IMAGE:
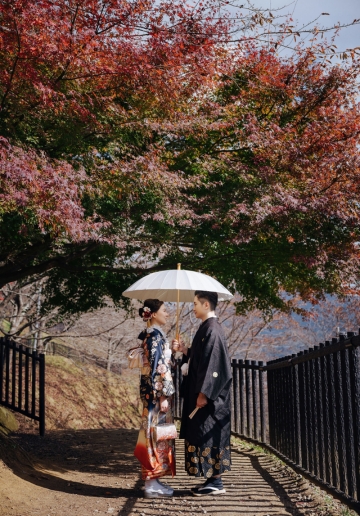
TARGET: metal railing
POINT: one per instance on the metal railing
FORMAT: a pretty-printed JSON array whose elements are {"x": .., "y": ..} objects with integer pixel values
[
  {"x": 22, "y": 381},
  {"x": 249, "y": 400},
  {"x": 314, "y": 413}
]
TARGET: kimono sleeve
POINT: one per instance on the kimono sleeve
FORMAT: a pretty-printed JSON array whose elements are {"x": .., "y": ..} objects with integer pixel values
[
  {"x": 162, "y": 383},
  {"x": 214, "y": 370}
]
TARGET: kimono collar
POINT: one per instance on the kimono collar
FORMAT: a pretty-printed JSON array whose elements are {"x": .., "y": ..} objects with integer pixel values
[
  {"x": 207, "y": 320},
  {"x": 155, "y": 327}
]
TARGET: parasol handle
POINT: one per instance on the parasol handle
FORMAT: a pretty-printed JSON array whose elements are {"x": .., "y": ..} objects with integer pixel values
[{"x": 193, "y": 412}]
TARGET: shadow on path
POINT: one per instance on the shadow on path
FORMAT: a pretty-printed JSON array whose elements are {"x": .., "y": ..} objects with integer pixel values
[
  {"x": 95, "y": 453},
  {"x": 97, "y": 468}
]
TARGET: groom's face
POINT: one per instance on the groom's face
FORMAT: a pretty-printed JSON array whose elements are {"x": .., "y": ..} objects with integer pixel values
[{"x": 200, "y": 309}]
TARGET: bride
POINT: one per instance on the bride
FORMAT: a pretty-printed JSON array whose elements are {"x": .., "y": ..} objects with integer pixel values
[{"x": 156, "y": 389}]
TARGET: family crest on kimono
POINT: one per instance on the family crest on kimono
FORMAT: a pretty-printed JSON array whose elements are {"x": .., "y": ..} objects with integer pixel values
[{"x": 157, "y": 458}]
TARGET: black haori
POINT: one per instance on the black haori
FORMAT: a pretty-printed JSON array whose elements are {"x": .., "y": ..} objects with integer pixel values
[{"x": 207, "y": 434}]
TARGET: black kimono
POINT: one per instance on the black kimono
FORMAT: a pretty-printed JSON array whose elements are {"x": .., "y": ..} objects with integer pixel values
[{"x": 207, "y": 434}]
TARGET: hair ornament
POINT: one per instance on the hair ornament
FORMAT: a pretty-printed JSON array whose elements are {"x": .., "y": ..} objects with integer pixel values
[{"x": 146, "y": 314}]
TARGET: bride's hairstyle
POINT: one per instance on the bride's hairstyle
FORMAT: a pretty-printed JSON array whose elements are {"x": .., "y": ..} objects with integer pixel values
[{"x": 151, "y": 306}]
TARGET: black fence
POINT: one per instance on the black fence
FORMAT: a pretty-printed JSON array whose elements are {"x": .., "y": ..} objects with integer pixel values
[
  {"x": 249, "y": 400},
  {"x": 22, "y": 381},
  {"x": 314, "y": 413},
  {"x": 305, "y": 408}
]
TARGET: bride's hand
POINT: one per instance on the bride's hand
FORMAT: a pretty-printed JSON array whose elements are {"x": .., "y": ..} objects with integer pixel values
[{"x": 164, "y": 404}]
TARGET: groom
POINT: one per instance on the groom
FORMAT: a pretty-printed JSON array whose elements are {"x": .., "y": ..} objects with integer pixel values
[{"x": 207, "y": 386}]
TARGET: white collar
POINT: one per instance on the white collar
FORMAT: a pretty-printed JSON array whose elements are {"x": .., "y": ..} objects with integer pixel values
[{"x": 155, "y": 327}]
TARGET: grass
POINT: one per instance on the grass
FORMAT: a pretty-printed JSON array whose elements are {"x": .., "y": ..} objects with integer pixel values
[
  {"x": 236, "y": 441},
  {"x": 84, "y": 396}
]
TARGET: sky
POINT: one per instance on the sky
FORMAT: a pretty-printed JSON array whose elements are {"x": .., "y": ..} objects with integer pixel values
[{"x": 304, "y": 11}]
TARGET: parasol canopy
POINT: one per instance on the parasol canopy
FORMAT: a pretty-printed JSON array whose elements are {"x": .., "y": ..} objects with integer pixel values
[{"x": 175, "y": 285}]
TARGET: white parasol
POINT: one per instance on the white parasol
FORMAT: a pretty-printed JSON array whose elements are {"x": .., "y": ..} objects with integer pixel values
[{"x": 175, "y": 285}]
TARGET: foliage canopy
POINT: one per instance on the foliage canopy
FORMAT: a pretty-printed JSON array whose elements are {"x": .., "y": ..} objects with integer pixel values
[{"x": 133, "y": 137}]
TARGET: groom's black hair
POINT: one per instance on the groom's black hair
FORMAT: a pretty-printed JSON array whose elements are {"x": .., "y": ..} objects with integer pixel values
[{"x": 211, "y": 297}]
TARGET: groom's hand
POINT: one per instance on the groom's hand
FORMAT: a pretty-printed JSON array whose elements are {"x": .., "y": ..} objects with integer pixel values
[
  {"x": 175, "y": 345},
  {"x": 178, "y": 345},
  {"x": 201, "y": 400}
]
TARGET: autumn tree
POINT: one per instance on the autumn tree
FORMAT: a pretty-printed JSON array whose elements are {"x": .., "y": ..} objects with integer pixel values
[
  {"x": 138, "y": 134},
  {"x": 80, "y": 82},
  {"x": 275, "y": 154}
]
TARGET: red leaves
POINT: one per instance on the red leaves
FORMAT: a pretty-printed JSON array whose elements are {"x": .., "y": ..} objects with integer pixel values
[
  {"x": 119, "y": 44},
  {"x": 47, "y": 193},
  {"x": 77, "y": 72}
]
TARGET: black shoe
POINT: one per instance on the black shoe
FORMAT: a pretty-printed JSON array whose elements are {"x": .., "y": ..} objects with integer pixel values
[{"x": 212, "y": 486}]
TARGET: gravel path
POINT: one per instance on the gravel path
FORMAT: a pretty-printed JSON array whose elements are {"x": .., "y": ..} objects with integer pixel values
[{"x": 93, "y": 472}]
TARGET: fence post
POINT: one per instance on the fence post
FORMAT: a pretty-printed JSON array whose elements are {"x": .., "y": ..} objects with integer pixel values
[
  {"x": 270, "y": 389},
  {"x": 314, "y": 411},
  {"x": 236, "y": 396},
  {"x": 349, "y": 426},
  {"x": 242, "y": 396},
  {"x": 7, "y": 371},
  {"x": 42, "y": 394},
  {"x": 303, "y": 414},
  {"x": 293, "y": 413},
  {"x": 248, "y": 398},
  {"x": 33, "y": 383},
  {"x": 262, "y": 403},
  {"x": 21, "y": 352},
  {"x": 333, "y": 420},
  {"x": 310, "y": 409},
  {"x": 320, "y": 415},
  {"x": 255, "y": 399},
  {"x": 2, "y": 362},
  {"x": 297, "y": 414},
  {"x": 355, "y": 382},
  {"x": 13, "y": 374},
  {"x": 27, "y": 375}
]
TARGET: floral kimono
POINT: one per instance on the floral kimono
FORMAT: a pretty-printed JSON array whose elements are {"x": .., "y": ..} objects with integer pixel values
[{"x": 157, "y": 458}]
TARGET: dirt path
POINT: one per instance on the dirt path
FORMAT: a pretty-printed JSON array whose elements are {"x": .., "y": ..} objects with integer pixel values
[{"x": 93, "y": 472}]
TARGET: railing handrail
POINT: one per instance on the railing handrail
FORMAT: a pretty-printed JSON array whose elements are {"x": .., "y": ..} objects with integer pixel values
[{"x": 352, "y": 341}]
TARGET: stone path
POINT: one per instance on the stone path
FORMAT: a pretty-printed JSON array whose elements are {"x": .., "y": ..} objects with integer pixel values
[
  {"x": 248, "y": 491},
  {"x": 93, "y": 472}
]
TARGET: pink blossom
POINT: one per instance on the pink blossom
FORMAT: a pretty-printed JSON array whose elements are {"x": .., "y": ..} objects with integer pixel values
[{"x": 161, "y": 368}]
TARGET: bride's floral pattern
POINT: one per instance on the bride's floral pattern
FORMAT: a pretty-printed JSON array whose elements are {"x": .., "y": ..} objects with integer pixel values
[
  {"x": 157, "y": 381},
  {"x": 157, "y": 458}
]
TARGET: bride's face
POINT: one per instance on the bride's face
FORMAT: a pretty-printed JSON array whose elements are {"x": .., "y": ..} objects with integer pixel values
[{"x": 160, "y": 317}]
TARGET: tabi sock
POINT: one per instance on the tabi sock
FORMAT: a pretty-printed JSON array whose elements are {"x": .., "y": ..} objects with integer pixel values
[
  {"x": 215, "y": 482},
  {"x": 152, "y": 483}
]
